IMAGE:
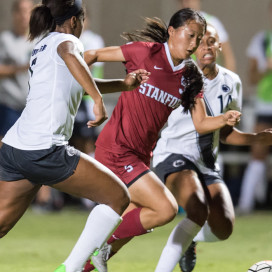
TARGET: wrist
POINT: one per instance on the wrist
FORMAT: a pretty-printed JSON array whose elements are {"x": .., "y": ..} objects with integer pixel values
[
  {"x": 97, "y": 98},
  {"x": 224, "y": 119}
]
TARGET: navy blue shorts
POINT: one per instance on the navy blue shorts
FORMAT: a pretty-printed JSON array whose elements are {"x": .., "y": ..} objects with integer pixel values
[
  {"x": 43, "y": 167},
  {"x": 176, "y": 163}
]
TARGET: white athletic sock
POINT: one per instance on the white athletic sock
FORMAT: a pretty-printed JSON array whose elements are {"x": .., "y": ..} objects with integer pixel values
[
  {"x": 254, "y": 176},
  {"x": 206, "y": 235},
  {"x": 100, "y": 224},
  {"x": 178, "y": 242}
]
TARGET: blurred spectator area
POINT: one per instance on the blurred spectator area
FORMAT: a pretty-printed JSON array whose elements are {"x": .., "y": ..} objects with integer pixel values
[{"x": 242, "y": 19}]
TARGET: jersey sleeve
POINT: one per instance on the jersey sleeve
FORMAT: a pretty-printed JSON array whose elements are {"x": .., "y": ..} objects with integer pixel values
[
  {"x": 135, "y": 53},
  {"x": 64, "y": 38}
]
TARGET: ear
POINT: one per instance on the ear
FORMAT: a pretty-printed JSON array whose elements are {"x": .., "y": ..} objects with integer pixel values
[
  {"x": 73, "y": 22},
  {"x": 170, "y": 31},
  {"x": 220, "y": 47}
]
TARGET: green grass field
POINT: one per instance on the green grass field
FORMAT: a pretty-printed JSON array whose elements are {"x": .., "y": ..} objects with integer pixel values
[{"x": 40, "y": 242}]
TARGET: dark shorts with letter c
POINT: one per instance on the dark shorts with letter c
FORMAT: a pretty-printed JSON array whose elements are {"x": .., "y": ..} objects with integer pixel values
[{"x": 44, "y": 167}]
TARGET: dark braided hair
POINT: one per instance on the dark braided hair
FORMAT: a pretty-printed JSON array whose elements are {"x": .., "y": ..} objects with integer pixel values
[
  {"x": 157, "y": 31},
  {"x": 193, "y": 83}
]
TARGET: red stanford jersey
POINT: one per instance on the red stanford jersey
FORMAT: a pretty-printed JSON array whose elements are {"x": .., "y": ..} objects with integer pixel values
[{"x": 140, "y": 114}]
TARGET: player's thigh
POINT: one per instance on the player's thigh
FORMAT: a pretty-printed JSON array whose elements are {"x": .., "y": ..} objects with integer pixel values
[
  {"x": 148, "y": 191},
  {"x": 186, "y": 187},
  {"x": 94, "y": 181},
  {"x": 15, "y": 198}
]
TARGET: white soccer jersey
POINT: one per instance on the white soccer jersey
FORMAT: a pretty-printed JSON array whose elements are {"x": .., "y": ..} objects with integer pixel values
[
  {"x": 53, "y": 98},
  {"x": 180, "y": 137}
]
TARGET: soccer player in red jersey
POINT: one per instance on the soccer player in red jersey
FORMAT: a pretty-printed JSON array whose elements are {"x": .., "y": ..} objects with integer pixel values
[{"x": 126, "y": 142}]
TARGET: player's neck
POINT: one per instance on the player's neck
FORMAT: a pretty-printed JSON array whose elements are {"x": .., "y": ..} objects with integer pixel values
[{"x": 210, "y": 72}]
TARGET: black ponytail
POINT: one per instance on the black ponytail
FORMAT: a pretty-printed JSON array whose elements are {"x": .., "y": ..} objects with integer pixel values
[{"x": 41, "y": 21}]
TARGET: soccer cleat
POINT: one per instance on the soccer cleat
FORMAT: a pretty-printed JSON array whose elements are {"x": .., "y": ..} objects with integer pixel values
[
  {"x": 61, "y": 268},
  {"x": 188, "y": 261},
  {"x": 100, "y": 257}
]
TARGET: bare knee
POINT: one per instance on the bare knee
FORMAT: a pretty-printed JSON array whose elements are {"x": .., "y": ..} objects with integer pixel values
[
  {"x": 222, "y": 228},
  {"x": 166, "y": 213}
]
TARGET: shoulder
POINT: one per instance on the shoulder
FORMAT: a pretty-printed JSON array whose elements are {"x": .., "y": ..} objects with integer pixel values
[
  {"x": 143, "y": 45},
  {"x": 140, "y": 50},
  {"x": 66, "y": 37},
  {"x": 62, "y": 37},
  {"x": 228, "y": 73}
]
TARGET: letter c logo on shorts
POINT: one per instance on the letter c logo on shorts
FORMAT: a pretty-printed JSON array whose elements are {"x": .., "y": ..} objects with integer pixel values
[
  {"x": 178, "y": 163},
  {"x": 129, "y": 168}
]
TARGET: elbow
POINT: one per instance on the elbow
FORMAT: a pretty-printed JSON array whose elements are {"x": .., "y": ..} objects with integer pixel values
[{"x": 90, "y": 57}]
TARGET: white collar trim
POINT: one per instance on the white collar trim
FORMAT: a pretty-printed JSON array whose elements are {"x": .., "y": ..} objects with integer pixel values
[{"x": 174, "y": 68}]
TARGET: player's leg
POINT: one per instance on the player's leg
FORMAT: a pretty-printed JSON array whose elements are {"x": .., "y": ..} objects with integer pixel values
[
  {"x": 15, "y": 197},
  {"x": 94, "y": 181},
  {"x": 108, "y": 250},
  {"x": 155, "y": 206},
  {"x": 188, "y": 191},
  {"x": 221, "y": 217},
  {"x": 219, "y": 225}
]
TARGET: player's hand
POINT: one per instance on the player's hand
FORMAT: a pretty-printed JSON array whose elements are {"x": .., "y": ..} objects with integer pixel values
[
  {"x": 232, "y": 117},
  {"x": 136, "y": 78},
  {"x": 99, "y": 112}
]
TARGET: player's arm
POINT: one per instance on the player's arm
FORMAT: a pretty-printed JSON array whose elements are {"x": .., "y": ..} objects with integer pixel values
[
  {"x": 80, "y": 71},
  {"x": 232, "y": 136},
  {"x": 206, "y": 124},
  {"x": 8, "y": 70},
  {"x": 130, "y": 82},
  {"x": 107, "y": 54}
]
